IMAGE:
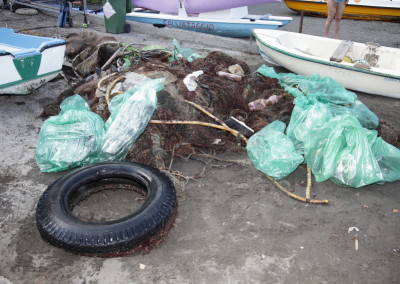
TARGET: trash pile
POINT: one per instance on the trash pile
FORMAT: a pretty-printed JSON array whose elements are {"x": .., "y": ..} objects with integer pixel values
[
  {"x": 330, "y": 130},
  {"x": 152, "y": 104},
  {"x": 223, "y": 90},
  {"x": 148, "y": 105}
]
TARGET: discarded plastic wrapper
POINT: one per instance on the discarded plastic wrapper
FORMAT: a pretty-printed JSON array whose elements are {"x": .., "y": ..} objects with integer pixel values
[
  {"x": 190, "y": 82},
  {"x": 272, "y": 152},
  {"x": 77, "y": 136},
  {"x": 186, "y": 53}
]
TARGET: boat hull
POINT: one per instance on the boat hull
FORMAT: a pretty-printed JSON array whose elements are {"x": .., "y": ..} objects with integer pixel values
[
  {"x": 196, "y": 6},
  {"x": 25, "y": 67},
  {"x": 360, "y": 10},
  {"x": 357, "y": 79},
  {"x": 227, "y": 28}
]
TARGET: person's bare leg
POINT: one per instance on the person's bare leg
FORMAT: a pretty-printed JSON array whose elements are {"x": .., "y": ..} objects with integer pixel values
[
  {"x": 338, "y": 17},
  {"x": 331, "y": 16}
]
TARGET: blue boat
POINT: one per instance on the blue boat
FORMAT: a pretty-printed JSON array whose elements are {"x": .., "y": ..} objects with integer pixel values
[
  {"x": 27, "y": 61},
  {"x": 235, "y": 22}
]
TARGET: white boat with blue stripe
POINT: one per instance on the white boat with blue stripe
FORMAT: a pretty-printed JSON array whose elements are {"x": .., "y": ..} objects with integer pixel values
[
  {"x": 27, "y": 61},
  {"x": 234, "y": 22}
]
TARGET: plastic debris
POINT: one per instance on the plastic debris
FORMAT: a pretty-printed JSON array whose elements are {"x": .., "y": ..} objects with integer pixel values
[
  {"x": 351, "y": 229},
  {"x": 263, "y": 103},
  {"x": 190, "y": 80},
  {"x": 179, "y": 52},
  {"x": 229, "y": 76},
  {"x": 78, "y": 137},
  {"x": 71, "y": 139},
  {"x": 272, "y": 152},
  {"x": 236, "y": 69},
  {"x": 328, "y": 126}
]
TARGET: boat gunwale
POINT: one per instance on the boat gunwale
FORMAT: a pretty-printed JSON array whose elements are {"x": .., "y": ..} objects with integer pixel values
[
  {"x": 5, "y": 53},
  {"x": 207, "y": 20},
  {"x": 327, "y": 62},
  {"x": 56, "y": 44}
]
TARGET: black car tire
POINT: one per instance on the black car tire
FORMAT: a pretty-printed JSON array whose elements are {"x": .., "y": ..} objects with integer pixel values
[{"x": 58, "y": 226}]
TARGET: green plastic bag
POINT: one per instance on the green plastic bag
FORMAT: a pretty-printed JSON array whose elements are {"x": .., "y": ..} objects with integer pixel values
[
  {"x": 70, "y": 139},
  {"x": 310, "y": 89},
  {"x": 365, "y": 116},
  {"x": 187, "y": 53},
  {"x": 303, "y": 120},
  {"x": 341, "y": 151},
  {"x": 388, "y": 158},
  {"x": 77, "y": 136},
  {"x": 272, "y": 152}
]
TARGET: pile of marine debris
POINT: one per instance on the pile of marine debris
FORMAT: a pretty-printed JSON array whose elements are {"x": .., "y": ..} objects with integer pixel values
[
  {"x": 226, "y": 89},
  {"x": 204, "y": 101}
]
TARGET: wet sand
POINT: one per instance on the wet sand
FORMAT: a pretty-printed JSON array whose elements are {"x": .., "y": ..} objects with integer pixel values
[{"x": 233, "y": 225}]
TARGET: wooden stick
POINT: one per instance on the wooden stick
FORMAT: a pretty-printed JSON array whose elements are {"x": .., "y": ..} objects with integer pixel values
[
  {"x": 279, "y": 186},
  {"x": 232, "y": 131},
  {"x": 110, "y": 60},
  {"x": 308, "y": 188}
]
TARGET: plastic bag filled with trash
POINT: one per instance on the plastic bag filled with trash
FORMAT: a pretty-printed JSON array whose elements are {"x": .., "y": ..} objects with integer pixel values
[
  {"x": 350, "y": 155},
  {"x": 70, "y": 139},
  {"x": 130, "y": 114},
  {"x": 77, "y": 136},
  {"x": 336, "y": 134},
  {"x": 272, "y": 152},
  {"x": 309, "y": 90}
]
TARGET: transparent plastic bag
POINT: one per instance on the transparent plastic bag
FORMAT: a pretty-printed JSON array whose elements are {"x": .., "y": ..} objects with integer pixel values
[
  {"x": 70, "y": 139},
  {"x": 130, "y": 114},
  {"x": 272, "y": 152}
]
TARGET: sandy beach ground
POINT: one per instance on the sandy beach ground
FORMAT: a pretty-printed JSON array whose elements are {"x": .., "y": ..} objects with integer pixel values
[{"x": 233, "y": 225}]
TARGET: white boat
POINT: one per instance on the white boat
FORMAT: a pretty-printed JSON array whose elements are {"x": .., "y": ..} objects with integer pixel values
[
  {"x": 234, "y": 22},
  {"x": 363, "y": 67},
  {"x": 27, "y": 62}
]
